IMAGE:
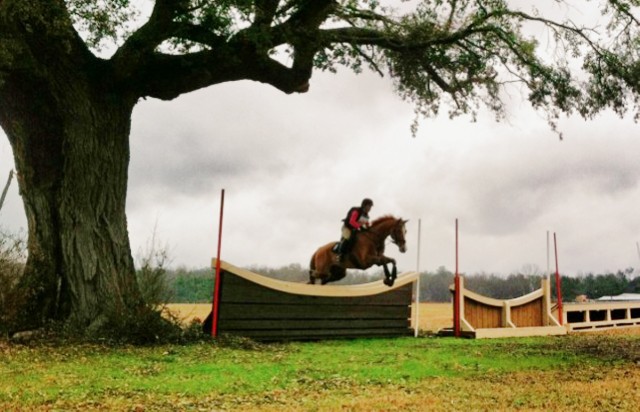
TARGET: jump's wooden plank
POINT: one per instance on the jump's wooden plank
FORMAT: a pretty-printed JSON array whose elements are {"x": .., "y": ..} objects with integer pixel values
[
  {"x": 364, "y": 289},
  {"x": 238, "y": 289},
  {"x": 519, "y": 332},
  {"x": 322, "y": 333},
  {"x": 276, "y": 311},
  {"x": 522, "y": 316},
  {"x": 312, "y": 324},
  {"x": 268, "y": 309},
  {"x": 590, "y": 316},
  {"x": 529, "y": 314},
  {"x": 480, "y": 315}
]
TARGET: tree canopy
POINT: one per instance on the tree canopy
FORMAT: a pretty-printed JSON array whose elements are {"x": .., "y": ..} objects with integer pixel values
[{"x": 456, "y": 53}]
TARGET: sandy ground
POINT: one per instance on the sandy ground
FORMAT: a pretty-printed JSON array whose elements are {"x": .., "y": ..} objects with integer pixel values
[{"x": 432, "y": 316}]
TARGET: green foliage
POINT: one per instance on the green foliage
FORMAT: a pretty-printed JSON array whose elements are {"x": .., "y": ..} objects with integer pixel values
[
  {"x": 152, "y": 275},
  {"x": 466, "y": 60},
  {"x": 193, "y": 286},
  {"x": 292, "y": 273},
  {"x": 102, "y": 22},
  {"x": 142, "y": 323},
  {"x": 461, "y": 54},
  {"x": 139, "y": 326},
  {"x": 196, "y": 286},
  {"x": 595, "y": 286},
  {"x": 634, "y": 286},
  {"x": 435, "y": 286}
]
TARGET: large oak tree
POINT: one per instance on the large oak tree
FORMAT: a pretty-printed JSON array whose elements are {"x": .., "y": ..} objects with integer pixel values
[{"x": 66, "y": 108}]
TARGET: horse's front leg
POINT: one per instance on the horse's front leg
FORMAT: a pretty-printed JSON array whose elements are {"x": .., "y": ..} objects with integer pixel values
[{"x": 389, "y": 277}]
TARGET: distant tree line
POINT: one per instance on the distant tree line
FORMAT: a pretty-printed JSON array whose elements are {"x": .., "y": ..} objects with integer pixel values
[
  {"x": 196, "y": 286},
  {"x": 190, "y": 286}
]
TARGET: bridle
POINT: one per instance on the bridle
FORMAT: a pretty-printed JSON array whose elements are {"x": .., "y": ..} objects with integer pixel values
[{"x": 397, "y": 235}]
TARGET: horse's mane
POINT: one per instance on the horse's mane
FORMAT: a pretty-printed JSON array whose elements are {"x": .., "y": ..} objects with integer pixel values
[{"x": 383, "y": 219}]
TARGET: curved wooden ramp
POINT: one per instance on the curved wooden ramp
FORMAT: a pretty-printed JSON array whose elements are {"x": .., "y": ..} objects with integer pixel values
[
  {"x": 528, "y": 315},
  {"x": 269, "y": 309}
]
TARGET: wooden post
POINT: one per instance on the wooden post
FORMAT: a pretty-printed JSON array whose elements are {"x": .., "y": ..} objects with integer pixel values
[
  {"x": 558, "y": 283},
  {"x": 548, "y": 266},
  {"x": 6, "y": 188},
  {"x": 215, "y": 310},
  {"x": 456, "y": 293},
  {"x": 416, "y": 315}
]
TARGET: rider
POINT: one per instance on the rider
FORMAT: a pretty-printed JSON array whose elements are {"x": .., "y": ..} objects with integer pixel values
[{"x": 357, "y": 219}]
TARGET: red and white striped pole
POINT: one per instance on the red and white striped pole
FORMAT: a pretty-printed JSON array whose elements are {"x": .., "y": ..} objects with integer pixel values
[{"x": 215, "y": 310}]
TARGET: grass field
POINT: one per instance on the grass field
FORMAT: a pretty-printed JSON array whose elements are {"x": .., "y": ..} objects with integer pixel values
[
  {"x": 578, "y": 372},
  {"x": 432, "y": 317},
  {"x": 572, "y": 372}
]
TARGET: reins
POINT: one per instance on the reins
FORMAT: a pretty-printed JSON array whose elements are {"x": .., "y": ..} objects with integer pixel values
[{"x": 379, "y": 237}]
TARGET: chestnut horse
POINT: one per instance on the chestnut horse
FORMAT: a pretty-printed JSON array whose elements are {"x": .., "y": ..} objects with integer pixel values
[{"x": 368, "y": 250}]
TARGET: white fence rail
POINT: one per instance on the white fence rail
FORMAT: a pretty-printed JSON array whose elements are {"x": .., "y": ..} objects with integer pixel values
[{"x": 592, "y": 316}]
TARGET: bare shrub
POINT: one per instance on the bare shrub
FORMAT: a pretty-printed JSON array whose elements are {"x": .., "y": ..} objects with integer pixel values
[
  {"x": 146, "y": 323},
  {"x": 152, "y": 273},
  {"x": 13, "y": 255}
]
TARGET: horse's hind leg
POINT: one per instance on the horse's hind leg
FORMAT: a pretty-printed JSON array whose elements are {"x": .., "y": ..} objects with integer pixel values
[
  {"x": 312, "y": 270},
  {"x": 336, "y": 273},
  {"x": 315, "y": 275}
]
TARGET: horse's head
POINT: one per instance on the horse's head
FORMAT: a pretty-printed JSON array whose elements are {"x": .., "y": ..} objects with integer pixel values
[{"x": 398, "y": 235}]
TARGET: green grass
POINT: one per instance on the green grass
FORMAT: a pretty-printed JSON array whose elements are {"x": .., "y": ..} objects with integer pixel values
[{"x": 83, "y": 376}]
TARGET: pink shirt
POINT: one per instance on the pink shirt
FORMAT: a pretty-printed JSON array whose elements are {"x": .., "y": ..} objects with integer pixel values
[{"x": 353, "y": 219}]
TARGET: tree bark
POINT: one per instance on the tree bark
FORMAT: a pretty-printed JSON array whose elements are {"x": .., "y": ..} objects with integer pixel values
[{"x": 71, "y": 150}]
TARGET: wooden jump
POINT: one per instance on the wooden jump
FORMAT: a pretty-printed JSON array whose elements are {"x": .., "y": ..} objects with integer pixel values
[
  {"x": 528, "y": 315},
  {"x": 592, "y": 316},
  {"x": 268, "y": 309}
]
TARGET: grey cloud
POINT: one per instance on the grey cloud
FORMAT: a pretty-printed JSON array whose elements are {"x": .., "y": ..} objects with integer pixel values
[{"x": 292, "y": 165}]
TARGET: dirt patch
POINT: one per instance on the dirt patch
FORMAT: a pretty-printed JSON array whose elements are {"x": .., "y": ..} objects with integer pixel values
[{"x": 608, "y": 347}]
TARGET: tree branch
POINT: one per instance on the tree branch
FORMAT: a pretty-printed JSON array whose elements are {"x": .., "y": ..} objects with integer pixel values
[
  {"x": 363, "y": 36},
  {"x": 245, "y": 55},
  {"x": 148, "y": 37},
  {"x": 265, "y": 11},
  {"x": 623, "y": 9},
  {"x": 311, "y": 13},
  {"x": 198, "y": 70}
]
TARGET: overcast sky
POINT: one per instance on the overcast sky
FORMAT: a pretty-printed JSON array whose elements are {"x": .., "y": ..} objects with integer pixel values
[{"x": 292, "y": 165}]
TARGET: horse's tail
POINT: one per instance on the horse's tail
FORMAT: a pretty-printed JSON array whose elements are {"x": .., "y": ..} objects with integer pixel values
[{"x": 312, "y": 269}]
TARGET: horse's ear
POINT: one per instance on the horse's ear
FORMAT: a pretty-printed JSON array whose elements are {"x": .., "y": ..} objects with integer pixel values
[{"x": 405, "y": 221}]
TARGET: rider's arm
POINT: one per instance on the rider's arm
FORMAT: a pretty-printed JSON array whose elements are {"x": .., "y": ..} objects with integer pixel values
[{"x": 353, "y": 220}]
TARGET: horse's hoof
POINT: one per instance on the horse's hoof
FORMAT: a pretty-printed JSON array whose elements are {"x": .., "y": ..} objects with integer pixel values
[{"x": 388, "y": 282}]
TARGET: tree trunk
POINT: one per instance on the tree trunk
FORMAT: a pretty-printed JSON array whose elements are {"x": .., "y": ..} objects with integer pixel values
[{"x": 71, "y": 149}]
